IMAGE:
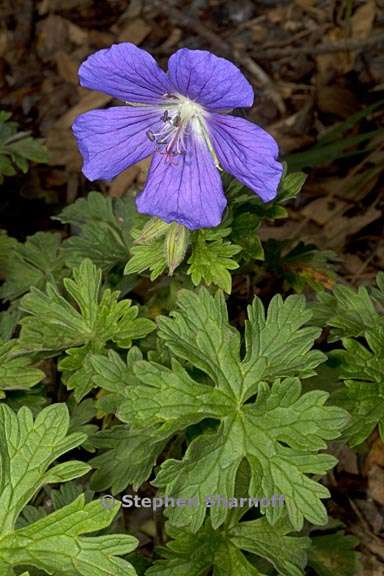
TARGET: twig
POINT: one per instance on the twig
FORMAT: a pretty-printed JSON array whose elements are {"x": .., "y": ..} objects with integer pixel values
[
  {"x": 342, "y": 46},
  {"x": 319, "y": 32}
]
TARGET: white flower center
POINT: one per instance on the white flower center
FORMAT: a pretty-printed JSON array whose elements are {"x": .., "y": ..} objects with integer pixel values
[
  {"x": 182, "y": 118},
  {"x": 188, "y": 110}
]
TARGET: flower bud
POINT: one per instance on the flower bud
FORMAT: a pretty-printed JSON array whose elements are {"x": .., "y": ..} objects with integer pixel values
[
  {"x": 154, "y": 228},
  {"x": 175, "y": 245}
]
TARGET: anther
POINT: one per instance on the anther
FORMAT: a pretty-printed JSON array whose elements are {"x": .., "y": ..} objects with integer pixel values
[{"x": 176, "y": 120}]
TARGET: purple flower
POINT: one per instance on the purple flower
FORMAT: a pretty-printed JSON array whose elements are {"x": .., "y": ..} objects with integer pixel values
[{"x": 181, "y": 119}]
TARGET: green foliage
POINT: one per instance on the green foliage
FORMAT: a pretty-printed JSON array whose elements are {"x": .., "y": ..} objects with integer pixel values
[
  {"x": 244, "y": 201},
  {"x": 211, "y": 252},
  {"x": 332, "y": 554},
  {"x": 7, "y": 246},
  {"x": 82, "y": 415},
  {"x": 336, "y": 143},
  {"x": 356, "y": 320},
  {"x": 300, "y": 266},
  {"x": 101, "y": 228},
  {"x": 362, "y": 372},
  {"x": 290, "y": 185},
  {"x": 349, "y": 313},
  {"x": 246, "y": 214},
  {"x": 223, "y": 550},
  {"x": 17, "y": 149},
  {"x": 157, "y": 249},
  {"x": 56, "y": 543},
  {"x": 147, "y": 257},
  {"x": 210, "y": 257},
  {"x": 244, "y": 228},
  {"x": 38, "y": 261},
  {"x": 128, "y": 456},
  {"x": 8, "y": 320},
  {"x": 81, "y": 324},
  {"x": 201, "y": 408},
  {"x": 16, "y": 372},
  {"x": 278, "y": 434}
]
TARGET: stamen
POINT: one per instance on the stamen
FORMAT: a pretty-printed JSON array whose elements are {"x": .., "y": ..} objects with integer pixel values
[
  {"x": 181, "y": 117},
  {"x": 176, "y": 120}
]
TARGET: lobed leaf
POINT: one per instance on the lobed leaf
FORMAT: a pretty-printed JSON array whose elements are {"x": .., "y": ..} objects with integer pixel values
[
  {"x": 223, "y": 551},
  {"x": 277, "y": 432},
  {"x": 81, "y": 324},
  {"x": 54, "y": 543}
]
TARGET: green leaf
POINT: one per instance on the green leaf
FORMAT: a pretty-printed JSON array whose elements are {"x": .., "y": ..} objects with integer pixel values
[
  {"x": 4, "y": 116},
  {"x": 199, "y": 332},
  {"x": 361, "y": 367},
  {"x": 324, "y": 152},
  {"x": 245, "y": 201},
  {"x": 31, "y": 514},
  {"x": 356, "y": 318},
  {"x": 104, "y": 230},
  {"x": 16, "y": 372},
  {"x": 127, "y": 458},
  {"x": 290, "y": 185},
  {"x": 158, "y": 246},
  {"x": 30, "y": 149},
  {"x": 300, "y": 266},
  {"x": 333, "y": 143},
  {"x": 16, "y": 148},
  {"x": 57, "y": 543},
  {"x": 278, "y": 434},
  {"x": 147, "y": 257},
  {"x": 332, "y": 554},
  {"x": 7, "y": 247},
  {"x": 378, "y": 293},
  {"x": 55, "y": 324},
  {"x": 282, "y": 338},
  {"x": 67, "y": 493},
  {"x": 54, "y": 543},
  {"x": 34, "y": 398},
  {"x": 27, "y": 450},
  {"x": 114, "y": 376},
  {"x": 212, "y": 258},
  {"x": 244, "y": 228},
  {"x": 94, "y": 208},
  {"x": 38, "y": 261},
  {"x": 9, "y": 320},
  {"x": 347, "y": 312},
  {"x": 223, "y": 551},
  {"x": 81, "y": 415}
]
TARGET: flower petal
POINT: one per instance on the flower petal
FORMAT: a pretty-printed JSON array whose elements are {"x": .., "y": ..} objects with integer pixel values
[
  {"x": 214, "y": 82},
  {"x": 113, "y": 139},
  {"x": 187, "y": 190},
  {"x": 247, "y": 152},
  {"x": 125, "y": 72}
]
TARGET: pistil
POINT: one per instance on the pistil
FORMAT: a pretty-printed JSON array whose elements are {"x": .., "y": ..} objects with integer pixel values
[{"x": 181, "y": 118}]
